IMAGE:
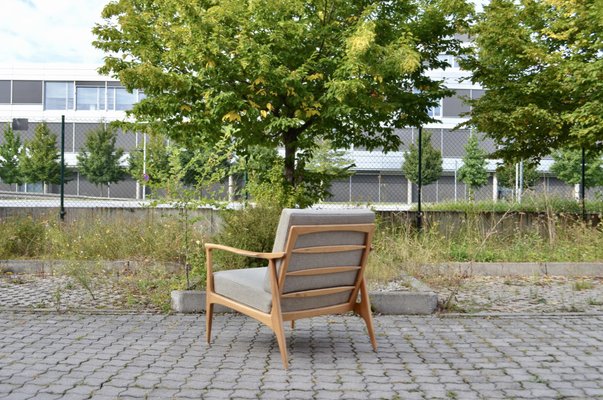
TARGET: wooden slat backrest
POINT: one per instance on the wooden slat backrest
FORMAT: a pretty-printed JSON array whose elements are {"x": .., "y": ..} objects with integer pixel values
[{"x": 291, "y": 250}]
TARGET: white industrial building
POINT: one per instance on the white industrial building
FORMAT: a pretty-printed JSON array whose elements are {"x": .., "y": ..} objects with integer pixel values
[{"x": 45, "y": 92}]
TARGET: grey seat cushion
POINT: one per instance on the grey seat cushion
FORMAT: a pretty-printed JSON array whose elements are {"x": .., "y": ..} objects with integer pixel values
[{"x": 245, "y": 286}]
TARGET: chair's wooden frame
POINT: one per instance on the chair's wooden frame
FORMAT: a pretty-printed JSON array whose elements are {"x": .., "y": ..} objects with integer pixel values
[{"x": 274, "y": 320}]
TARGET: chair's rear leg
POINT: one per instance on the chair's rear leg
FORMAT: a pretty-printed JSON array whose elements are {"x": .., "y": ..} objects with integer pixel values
[
  {"x": 292, "y": 324},
  {"x": 364, "y": 310},
  {"x": 209, "y": 315}
]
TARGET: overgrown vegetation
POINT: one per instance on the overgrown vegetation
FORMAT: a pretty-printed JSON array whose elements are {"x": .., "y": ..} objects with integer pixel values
[
  {"x": 399, "y": 248},
  {"x": 528, "y": 204}
]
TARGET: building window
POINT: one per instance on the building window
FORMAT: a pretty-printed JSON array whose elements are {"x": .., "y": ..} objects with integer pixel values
[
  {"x": 58, "y": 96},
  {"x": 27, "y": 92},
  {"x": 90, "y": 96},
  {"x": 436, "y": 112},
  {"x": 5, "y": 94},
  {"x": 118, "y": 99}
]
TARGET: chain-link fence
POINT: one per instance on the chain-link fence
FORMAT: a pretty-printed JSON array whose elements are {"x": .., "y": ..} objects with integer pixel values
[{"x": 376, "y": 178}]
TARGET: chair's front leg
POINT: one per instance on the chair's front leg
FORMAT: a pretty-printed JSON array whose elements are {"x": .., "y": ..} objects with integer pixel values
[
  {"x": 277, "y": 316},
  {"x": 209, "y": 288}
]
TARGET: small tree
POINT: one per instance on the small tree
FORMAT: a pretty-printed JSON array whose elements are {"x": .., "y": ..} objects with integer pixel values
[
  {"x": 154, "y": 169},
  {"x": 431, "y": 162},
  {"x": 267, "y": 185},
  {"x": 568, "y": 167},
  {"x": 9, "y": 157},
  {"x": 40, "y": 159},
  {"x": 505, "y": 173},
  {"x": 99, "y": 160},
  {"x": 473, "y": 173}
]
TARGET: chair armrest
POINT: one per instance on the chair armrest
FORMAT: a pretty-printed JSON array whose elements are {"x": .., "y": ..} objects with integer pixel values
[{"x": 234, "y": 250}]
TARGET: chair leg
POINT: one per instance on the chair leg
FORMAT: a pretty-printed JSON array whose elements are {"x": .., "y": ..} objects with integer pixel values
[
  {"x": 279, "y": 332},
  {"x": 292, "y": 324},
  {"x": 209, "y": 315},
  {"x": 364, "y": 310}
]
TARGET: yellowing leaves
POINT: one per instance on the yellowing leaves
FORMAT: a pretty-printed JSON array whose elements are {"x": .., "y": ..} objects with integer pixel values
[
  {"x": 362, "y": 39},
  {"x": 232, "y": 116},
  {"x": 315, "y": 77}
]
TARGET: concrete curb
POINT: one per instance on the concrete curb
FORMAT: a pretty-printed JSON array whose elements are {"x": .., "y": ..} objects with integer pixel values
[
  {"x": 569, "y": 269},
  {"x": 388, "y": 303},
  {"x": 49, "y": 266}
]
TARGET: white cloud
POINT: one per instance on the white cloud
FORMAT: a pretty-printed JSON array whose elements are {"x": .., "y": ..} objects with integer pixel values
[{"x": 46, "y": 31}]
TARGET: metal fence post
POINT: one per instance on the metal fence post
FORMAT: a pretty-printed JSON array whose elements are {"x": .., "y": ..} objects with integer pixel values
[
  {"x": 583, "y": 184},
  {"x": 62, "y": 212},
  {"x": 420, "y": 181}
]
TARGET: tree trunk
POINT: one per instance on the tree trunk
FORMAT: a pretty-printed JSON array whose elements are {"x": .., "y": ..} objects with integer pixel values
[{"x": 290, "y": 142}]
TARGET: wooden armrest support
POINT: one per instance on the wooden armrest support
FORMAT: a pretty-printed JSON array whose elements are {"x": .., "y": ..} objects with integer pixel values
[{"x": 234, "y": 250}]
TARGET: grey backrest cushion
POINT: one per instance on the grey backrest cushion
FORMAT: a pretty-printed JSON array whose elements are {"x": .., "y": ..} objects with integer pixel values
[{"x": 292, "y": 217}]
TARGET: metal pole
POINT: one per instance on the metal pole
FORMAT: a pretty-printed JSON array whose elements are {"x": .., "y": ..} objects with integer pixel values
[
  {"x": 144, "y": 165},
  {"x": 520, "y": 180},
  {"x": 456, "y": 167},
  {"x": 62, "y": 212},
  {"x": 420, "y": 181},
  {"x": 583, "y": 185}
]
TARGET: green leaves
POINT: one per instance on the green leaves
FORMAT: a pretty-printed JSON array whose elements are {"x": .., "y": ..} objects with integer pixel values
[
  {"x": 282, "y": 72},
  {"x": 431, "y": 162},
  {"x": 39, "y": 162},
  {"x": 473, "y": 172},
  {"x": 99, "y": 160},
  {"x": 9, "y": 157},
  {"x": 568, "y": 167},
  {"x": 541, "y": 62}
]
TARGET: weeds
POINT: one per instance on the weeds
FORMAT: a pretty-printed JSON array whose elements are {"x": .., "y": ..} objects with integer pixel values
[
  {"x": 582, "y": 284},
  {"x": 400, "y": 249}
]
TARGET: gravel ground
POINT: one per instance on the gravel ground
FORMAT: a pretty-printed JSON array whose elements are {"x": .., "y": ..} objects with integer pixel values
[
  {"x": 62, "y": 293},
  {"x": 544, "y": 294},
  {"x": 475, "y": 294}
]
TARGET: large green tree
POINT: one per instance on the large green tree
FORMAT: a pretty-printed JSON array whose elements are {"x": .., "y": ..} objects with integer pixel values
[
  {"x": 39, "y": 161},
  {"x": 431, "y": 161},
  {"x": 99, "y": 161},
  {"x": 282, "y": 72},
  {"x": 541, "y": 62},
  {"x": 473, "y": 173},
  {"x": 9, "y": 157}
]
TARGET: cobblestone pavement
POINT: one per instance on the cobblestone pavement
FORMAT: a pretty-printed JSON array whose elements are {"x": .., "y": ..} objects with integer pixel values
[{"x": 76, "y": 356}]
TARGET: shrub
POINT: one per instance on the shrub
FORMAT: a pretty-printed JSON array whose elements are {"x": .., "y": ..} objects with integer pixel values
[{"x": 251, "y": 228}]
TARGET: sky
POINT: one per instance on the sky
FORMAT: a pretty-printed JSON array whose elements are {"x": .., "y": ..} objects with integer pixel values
[{"x": 49, "y": 31}]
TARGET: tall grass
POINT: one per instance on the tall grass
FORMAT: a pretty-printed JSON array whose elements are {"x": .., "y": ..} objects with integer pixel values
[
  {"x": 398, "y": 248},
  {"x": 530, "y": 203},
  {"x": 96, "y": 239},
  {"x": 401, "y": 249}
]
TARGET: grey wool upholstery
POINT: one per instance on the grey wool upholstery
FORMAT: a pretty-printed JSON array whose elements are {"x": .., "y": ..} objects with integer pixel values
[
  {"x": 244, "y": 286},
  {"x": 252, "y": 286}
]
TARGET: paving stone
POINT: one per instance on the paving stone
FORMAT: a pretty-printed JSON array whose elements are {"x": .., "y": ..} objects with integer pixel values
[{"x": 420, "y": 357}]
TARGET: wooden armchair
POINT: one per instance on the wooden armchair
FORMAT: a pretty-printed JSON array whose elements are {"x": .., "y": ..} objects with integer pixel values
[{"x": 316, "y": 268}]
